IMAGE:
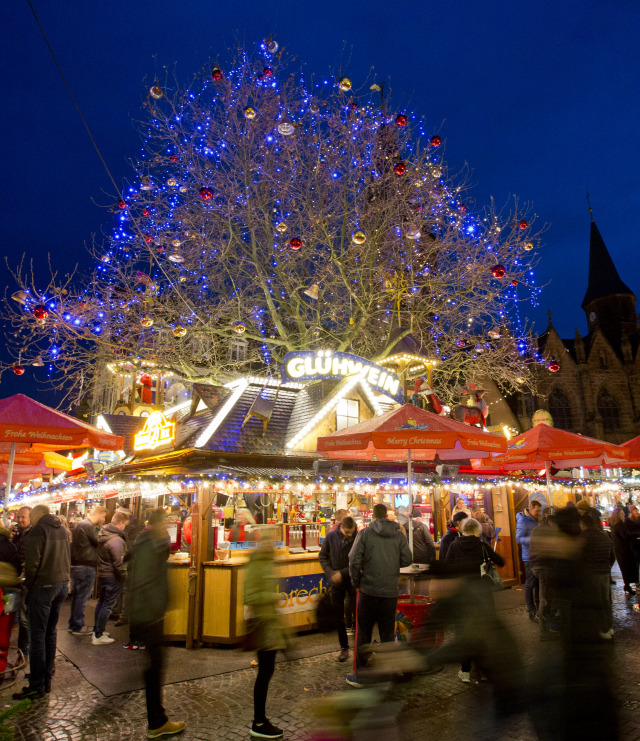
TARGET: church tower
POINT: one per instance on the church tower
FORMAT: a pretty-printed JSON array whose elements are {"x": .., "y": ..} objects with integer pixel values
[{"x": 609, "y": 304}]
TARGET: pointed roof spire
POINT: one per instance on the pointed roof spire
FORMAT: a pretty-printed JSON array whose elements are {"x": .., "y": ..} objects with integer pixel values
[{"x": 603, "y": 276}]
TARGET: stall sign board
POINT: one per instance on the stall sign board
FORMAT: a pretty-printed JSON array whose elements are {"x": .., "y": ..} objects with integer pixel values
[
  {"x": 157, "y": 431},
  {"x": 312, "y": 365},
  {"x": 300, "y": 593}
]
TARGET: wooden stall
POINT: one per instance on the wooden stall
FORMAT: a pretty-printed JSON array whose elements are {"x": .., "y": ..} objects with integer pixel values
[
  {"x": 301, "y": 582},
  {"x": 176, "y": 617}
]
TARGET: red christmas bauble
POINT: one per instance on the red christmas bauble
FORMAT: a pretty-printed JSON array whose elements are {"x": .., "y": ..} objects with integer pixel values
[
  {"x": 18, "y": 369},
  {"x": 216, "y": 73},
  {"x": 206, "y": 194},
  {"x": 523, "y": 224},
  {"x": 498, "y": 271},
  {"x": 554, "y": 366},
  {"x": 267, "y": 72},
  {"x": 435, "y": 141},
  {"x": 174, "y": 158},
  {"x": 295, "y": 243},
  {"x": 122, "y": 203},
  {"x": 40, "y": 311},
  {"x": 148, "y": 238},
  {"x": 514, "y": 282},
  {"x": 462, "y": 208},
  {"x": 145, "y": 212},
  {"x": 399, "y": 168},
  {"x": 401, "y": 120}
]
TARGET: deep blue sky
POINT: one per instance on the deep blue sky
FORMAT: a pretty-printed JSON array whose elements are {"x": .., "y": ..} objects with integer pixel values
[{"x": 540, "y": 99}]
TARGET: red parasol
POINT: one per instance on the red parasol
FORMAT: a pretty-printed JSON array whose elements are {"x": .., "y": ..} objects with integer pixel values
[
  {"x": 408, "y": 433},
  {"x": 28, "y": 427}
]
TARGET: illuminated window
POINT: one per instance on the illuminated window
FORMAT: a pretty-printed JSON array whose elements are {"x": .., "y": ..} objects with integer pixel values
[
  {"x": 609, "y": 411},
  {"x": 560, "y": 410},
  {"x": 347, "y": 413}
]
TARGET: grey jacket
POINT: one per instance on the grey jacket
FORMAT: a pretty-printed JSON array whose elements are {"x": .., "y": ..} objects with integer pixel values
[
  {"x": 378, "y": 554},
  {"x": 112, "y": 547}
]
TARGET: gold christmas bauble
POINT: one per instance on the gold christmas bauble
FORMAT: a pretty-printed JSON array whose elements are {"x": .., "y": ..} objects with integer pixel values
[
  {"x": 359, "y": 236},
  {"x": 249, "y": 112}
]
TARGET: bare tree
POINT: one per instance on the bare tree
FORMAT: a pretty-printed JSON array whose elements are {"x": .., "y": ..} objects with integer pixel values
[{"x": 295, "y": 216}]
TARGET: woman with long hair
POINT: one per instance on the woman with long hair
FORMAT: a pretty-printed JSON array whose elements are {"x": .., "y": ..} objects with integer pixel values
[{"x": 622, "y": 546}]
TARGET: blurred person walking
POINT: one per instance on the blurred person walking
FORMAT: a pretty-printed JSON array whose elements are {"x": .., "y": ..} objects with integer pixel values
[
  {"x": 84, "y": 562},
  {"x": 47, "y": 572},
  {"x": 598, "y": 558},
  {"x": 541, "y": 541},
  {"x": 525, "y": 522},
  {"x": 147, "y": 603},
  {"x": 112, "y": 573},
  {"x": 267, "y": 635},
  {"x": 334, "y": 559},
  {"x": 464, "y": 559},
  {"x": 424, "y": 551},
  {"x": 378, "y": 554},
  {"x": 20, "y": 538},
  {"x": 488, "y": 528},
  {"x": 454, "y": 531},
  {"x": 622, "y": 546}
]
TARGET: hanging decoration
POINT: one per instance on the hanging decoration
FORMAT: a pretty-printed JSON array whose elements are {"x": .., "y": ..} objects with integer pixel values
[
  {"x": 401, "y": 120},
  {"x": 498, "y": 271},
  {"x": 239, "y": 327},
  {"x": 435, "y": 141},
  {"x": 179, "y": 330},
  {"x": 553, "y": 365},
  {"x": 250, "y": 112},
  {"x": 40, "y": 312},
  {"x": 206, "y": 194},
  {"x": 285, "y": 128},
  {"x": 359, "y": 236},
  {"x": 155, "y": 92},
  {"x": 216, "y": 74},
  {"x": 399, "y": 168},
  {"x": 345, "y": 84},
  {"x": 295, "y": 243},
  {"x": 146, "y": 320},
  {"x": 281, "y": 227},
  {"x": 523, "y": 224},
  {"x": 313, "y": 291},
  {"x": 528, "y": 246},
  {"x": 396, "y": 286},
  {"x": 413, "y": 232}
]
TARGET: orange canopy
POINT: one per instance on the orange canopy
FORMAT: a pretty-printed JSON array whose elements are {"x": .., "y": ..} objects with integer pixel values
[
  {"x": 543, "y": 444},
  {"x": 389, "y": 437},
  {"x": 35, "y": 427}
]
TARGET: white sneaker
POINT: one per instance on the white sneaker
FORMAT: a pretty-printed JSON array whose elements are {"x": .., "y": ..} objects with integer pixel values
[
  {"x": 464, "y": 676},
  {"x": 103, "y": 640}
]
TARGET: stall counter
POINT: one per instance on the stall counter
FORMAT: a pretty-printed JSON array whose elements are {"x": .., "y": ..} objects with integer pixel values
[
  {"x": 301, "y": 582},
  {"x": 175, "y": 619}
]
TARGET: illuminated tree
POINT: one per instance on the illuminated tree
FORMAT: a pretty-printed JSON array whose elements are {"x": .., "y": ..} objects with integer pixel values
[{"x": 291, "y": 214}]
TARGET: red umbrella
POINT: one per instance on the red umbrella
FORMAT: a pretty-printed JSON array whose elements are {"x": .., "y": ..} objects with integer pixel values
[
  {"x": 26, "y": 426},
  {"x": 408, "y": 433},
  {"x": 543, "y": 446},
  {"x": 633, "y": 446}
]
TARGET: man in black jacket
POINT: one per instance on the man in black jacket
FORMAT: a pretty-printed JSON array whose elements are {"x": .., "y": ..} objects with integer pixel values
[
  {"x": 46, "y": 570},
  {"x": 20, "y": 541},
  {"x": 453, "y": 532},
  {"x": 334, "y": 559},
  {"x": 378, "y": 554},
  {"x": 84, "y": 559},
  {"x": 112, "y": 573}
]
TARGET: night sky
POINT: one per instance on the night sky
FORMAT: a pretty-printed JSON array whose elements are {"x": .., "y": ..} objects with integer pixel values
[{"x": 540, "y": 100}]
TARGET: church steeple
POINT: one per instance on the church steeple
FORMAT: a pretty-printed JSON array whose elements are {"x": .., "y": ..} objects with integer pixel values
[{"x": 608, "y": 303}]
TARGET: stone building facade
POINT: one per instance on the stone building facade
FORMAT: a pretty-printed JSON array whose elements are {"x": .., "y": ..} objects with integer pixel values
[{"x": 596, "y": 390}]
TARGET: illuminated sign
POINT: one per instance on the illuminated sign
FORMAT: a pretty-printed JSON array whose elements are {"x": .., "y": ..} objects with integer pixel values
[
  {"x": 312, "y": 365},
  {"x": 156, "y": 431}
]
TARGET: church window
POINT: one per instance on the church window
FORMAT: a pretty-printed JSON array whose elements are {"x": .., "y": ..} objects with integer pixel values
[
  {"x": 560, "y": 409},
  {"x": 603, "y": 359},
  {"x": 609, "y": 411}
]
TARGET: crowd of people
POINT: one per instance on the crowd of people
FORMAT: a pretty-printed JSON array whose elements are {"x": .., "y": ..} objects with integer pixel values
[
  {"x": 124, "y": 555},
  {"x": 567, "y": 556}
]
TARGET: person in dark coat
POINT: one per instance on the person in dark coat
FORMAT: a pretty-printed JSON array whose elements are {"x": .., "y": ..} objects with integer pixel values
[
  {"x": 84, "y": 560},
  {"x": 598, "y": 558},
  {"x": 334, "y": 559},
  {"x": 622, "y": 545},
  {"x": 452, "y": 534},
  {"x": 47, "y": 573},
  {"x": 148, "y": 601},
  {"x": 378, "y": 554},
  {"x": 112, "y": 573},
  {"x": 20, "y": 541},
  {"x": 424, "y": 551}
]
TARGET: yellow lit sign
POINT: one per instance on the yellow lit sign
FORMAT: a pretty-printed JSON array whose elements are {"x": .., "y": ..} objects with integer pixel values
[{"x": 156, "y": 431}]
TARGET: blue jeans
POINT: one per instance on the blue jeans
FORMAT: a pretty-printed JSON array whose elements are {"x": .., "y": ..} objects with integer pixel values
[
  {"x": 82, "y": 579},
  {"x": 108, "y": 590},
  {"x": 43, "y": 610}
]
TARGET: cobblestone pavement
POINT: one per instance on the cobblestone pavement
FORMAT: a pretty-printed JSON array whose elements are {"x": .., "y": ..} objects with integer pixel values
[{"x": 437, "y": 706}]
